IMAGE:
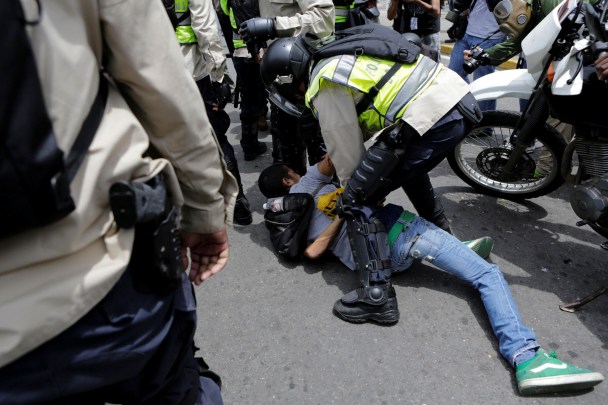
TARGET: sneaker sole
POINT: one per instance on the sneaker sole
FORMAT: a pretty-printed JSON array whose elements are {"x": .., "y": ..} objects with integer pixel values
[
  {"x": 391, "y": 316},
  {"x": 572, "y": 382}
]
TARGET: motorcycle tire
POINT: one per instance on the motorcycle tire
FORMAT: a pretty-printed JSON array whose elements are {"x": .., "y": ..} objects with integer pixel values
[{"x": 479, "y": 159}]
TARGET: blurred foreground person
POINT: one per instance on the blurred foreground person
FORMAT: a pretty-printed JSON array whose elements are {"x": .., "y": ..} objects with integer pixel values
[{"x": 97, "y": 306}]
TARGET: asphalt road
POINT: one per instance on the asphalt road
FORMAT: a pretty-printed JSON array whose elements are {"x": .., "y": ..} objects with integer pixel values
[{"x": 267, "y": 327}]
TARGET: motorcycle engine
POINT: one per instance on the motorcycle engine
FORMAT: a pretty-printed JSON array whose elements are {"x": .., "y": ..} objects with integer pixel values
[{"x": 589, "y": 198}]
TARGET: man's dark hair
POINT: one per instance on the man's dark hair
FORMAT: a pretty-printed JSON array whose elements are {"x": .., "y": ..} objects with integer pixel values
[{"x": 271, "y": 178}]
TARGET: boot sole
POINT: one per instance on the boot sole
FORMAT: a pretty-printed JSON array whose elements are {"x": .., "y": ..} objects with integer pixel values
[{"x": 391, "y": 316}]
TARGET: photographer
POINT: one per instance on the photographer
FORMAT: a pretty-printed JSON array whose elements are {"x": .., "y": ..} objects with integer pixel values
[
  {"x": 482, "y": 31},
  {"x": 419, "y": 17}
]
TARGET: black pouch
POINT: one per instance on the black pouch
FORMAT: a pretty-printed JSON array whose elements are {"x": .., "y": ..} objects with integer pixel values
[{"x": 469, "y": 108}]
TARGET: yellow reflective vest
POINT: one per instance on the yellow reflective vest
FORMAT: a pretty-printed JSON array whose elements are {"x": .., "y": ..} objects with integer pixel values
[
  {"x": 184, "y": 32},
  {"x": 363, "y": 73},
  {"x": 236, "y": 38}
]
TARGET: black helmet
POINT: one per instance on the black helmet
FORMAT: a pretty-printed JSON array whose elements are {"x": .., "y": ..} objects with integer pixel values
[{"x": 283, "y": 67}]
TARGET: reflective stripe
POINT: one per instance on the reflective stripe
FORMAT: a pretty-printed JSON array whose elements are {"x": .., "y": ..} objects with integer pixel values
[
  {"x": 185, "y": 35},
  {"x": 423, "y": 73},
  {"x": 344, "y": 68},
  {"x": 341, "y": 13}
]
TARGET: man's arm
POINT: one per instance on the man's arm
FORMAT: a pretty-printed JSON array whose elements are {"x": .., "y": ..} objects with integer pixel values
[{"x": 320, "y": 245}]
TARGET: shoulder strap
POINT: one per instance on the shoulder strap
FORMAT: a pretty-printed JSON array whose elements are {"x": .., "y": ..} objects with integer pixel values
[
  {"x": 87, "y": 131},
  {"x": 368, "y": 98}
]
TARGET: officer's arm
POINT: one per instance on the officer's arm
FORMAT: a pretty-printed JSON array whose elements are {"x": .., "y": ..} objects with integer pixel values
[
  {"x": 340, "y": 127},
  {"x": 317, "y": 17}
]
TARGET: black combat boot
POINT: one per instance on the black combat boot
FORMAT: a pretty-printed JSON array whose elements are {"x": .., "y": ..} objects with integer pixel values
[
  {"x": 242, "y": 211},
  {"x": 375, "y": 303}
]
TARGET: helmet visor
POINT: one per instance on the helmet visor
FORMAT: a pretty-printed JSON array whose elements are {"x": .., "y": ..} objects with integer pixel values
[{"x": 295, "y": 109}]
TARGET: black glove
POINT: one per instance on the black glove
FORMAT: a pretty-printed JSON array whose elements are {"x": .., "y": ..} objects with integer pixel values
[
  {"x": 257, "y": 30},
  {"x": 222, "y": 93}
]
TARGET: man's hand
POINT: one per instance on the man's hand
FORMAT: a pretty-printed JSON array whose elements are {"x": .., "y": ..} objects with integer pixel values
[
  {"x": 208, "y": 254},
  {"x": 601, "y": 66},
  {"x": 257, "y": 30}
]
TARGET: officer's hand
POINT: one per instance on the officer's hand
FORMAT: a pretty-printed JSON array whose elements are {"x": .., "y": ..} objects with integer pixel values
[
  {"x": 208, "y": 253},
  {"x": 222, "y": 93},
  {"x": 257, "y": 30}
]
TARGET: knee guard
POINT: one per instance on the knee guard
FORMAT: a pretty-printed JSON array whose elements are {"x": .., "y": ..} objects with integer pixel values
[
  {"x": 371, "y": 253},
  {"x": 372, "y": 174}
]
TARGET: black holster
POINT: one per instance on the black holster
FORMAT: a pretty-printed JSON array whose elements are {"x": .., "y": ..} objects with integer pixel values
[{"x": 156, "y": 260}]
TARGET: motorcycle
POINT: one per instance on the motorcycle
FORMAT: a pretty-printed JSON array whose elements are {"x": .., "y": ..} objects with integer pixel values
[{"x": 503, "y": 156}]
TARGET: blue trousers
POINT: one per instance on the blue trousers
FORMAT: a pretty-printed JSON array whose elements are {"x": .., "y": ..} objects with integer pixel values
[
  {"x": 422, "y": 240},
  {"x": 131, "y": 348}
]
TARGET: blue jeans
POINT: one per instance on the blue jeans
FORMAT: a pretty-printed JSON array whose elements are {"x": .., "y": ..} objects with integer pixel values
[
  {"x": 422, "y": 240},
  {"x": 457, "y": 60}
]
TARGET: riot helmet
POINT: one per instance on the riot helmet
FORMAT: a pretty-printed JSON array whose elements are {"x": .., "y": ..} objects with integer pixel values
[
  {"x": 284, "y": 67},
  {"x": 512, "y": 17}
]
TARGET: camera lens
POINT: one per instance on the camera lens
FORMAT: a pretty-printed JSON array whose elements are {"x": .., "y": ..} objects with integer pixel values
[{"x": 469, "y": 66}]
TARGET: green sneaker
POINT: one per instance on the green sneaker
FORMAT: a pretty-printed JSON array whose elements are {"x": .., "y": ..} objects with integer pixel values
[
  {"x": 545, "y": 373},
  {"x": 481, "y": 246}
]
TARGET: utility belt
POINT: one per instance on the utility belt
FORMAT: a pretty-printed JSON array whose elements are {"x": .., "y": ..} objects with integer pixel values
[
  {"x": 402, "y": 223},
  {"x": 156, "y": 260}
]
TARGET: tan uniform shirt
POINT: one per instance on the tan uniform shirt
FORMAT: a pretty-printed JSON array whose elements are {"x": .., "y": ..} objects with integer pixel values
[
  {"x": 345, "y": 139},
  {"x": 295, "y": 17},
  {"x": 52, "y": 276},
  {"x": 206, "y": 57}
]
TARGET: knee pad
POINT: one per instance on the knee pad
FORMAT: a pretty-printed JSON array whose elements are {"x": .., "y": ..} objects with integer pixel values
[{"x": 373, "y": 173}]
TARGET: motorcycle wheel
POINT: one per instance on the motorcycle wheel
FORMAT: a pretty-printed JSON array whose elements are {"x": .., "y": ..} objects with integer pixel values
[{"x": 479, "y": 159}]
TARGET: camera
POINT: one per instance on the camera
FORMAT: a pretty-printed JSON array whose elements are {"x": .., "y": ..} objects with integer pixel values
[{"x": 479, "y": 58}]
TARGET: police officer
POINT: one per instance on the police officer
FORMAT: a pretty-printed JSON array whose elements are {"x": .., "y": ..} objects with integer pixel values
[
  {"x": 249, "y": 84},
  {"x": 279, "y": 19},
  {"x": 423, "y": 109},
  {"x": 196, "y": 31},
  {"x": 80, "y": 321}
]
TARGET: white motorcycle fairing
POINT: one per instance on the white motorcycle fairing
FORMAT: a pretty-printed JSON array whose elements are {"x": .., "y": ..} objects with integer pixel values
[{"x": 517, "y": 83}]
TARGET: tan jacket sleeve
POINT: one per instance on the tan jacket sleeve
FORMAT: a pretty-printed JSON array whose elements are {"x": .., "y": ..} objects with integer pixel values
[
  {"x": 340, "y": 128},
  {"x": 204, "y": 24},
  {"x": 166, "y": 101},
  {"x": 315, "y": 16}
]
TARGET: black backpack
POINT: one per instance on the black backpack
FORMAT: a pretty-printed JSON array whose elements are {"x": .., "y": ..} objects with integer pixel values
[
  {"x": 372, "y": 40},
  {"x": 289, "y": 227},
  {"x": 34, "y": 174}
]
